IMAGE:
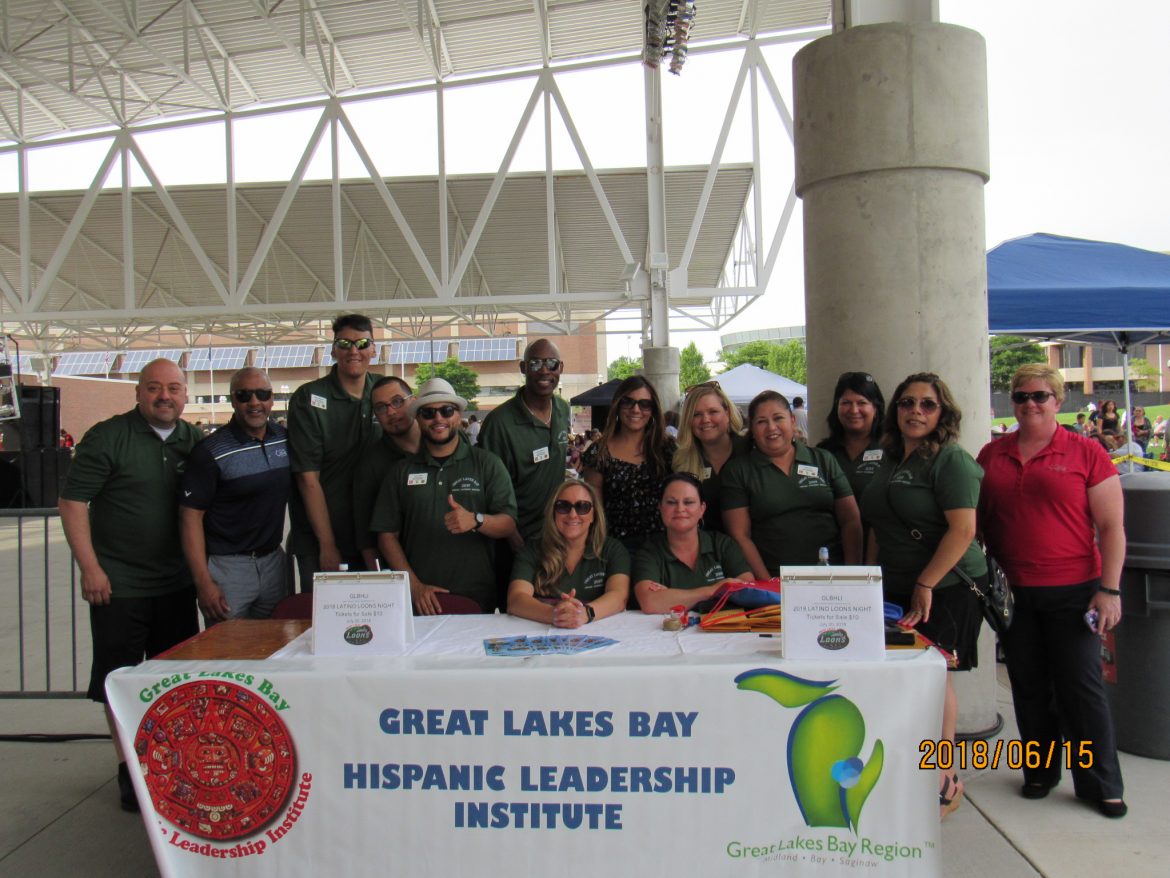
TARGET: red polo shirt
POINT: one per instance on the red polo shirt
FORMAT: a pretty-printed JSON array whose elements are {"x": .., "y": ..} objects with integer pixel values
[{"x": 1035, "y": 516}]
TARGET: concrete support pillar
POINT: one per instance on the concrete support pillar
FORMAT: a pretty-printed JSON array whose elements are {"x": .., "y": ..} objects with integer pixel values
[
  {"x": 891, "y": 159},
  {"x": 660, "y": 367}
]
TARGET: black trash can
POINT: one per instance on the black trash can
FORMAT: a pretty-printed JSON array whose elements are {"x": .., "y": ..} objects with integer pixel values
[{"x": 1140, "y": 682}]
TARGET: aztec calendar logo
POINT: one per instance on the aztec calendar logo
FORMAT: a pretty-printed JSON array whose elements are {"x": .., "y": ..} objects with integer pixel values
[{"x": 218, "y": 761}]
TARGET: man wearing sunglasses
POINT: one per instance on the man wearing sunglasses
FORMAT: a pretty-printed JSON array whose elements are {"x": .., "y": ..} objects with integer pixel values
[
  {"x": 400, "y": 438},
  {"x": 232, "y": 504},
  {"x": 329, "y": 421},
  {"x": 440, "y": 513}
]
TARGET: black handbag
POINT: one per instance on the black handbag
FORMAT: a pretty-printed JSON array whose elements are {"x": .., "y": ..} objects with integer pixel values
[{"x": 995, "y": 599}]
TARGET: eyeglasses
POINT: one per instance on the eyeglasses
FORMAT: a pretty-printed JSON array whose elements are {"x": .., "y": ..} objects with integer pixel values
[
  {"x": 704, "y": 385},
  {"x": 909, "y": 403},
  {"x": 428, "y": 413},
  {"x": 551, "y": 364},
  {"x": 380, "y": 408},
  {"x": 345, "y": 344},
  {"x": 246, "y": 395},
  {"x": 581, "y": 507},
  {"x": 628, "y": 402},
  {"x": 1019, "y": 397}
]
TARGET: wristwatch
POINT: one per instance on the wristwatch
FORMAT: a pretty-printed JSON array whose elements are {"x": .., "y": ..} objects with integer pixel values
[
  {"x": 590, "y": 612},
  {"x": 478, "y": 521}
]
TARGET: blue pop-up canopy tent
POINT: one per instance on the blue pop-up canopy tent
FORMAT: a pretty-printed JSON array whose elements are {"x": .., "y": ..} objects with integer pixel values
[{"x": 1069, "y": 289}]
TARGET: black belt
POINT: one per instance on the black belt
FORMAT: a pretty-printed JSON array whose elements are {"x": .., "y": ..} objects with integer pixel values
[{"x": 256, "y": 553}]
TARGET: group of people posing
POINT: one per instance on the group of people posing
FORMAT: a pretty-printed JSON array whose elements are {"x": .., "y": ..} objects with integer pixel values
[{"x": 379, "y": 474}]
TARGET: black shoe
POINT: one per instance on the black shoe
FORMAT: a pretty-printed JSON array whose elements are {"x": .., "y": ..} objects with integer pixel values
[
  {"x": 126, "y": 789},
  {"x": 1035, "y": 790},
  {"x": 1113, "y": 810}
]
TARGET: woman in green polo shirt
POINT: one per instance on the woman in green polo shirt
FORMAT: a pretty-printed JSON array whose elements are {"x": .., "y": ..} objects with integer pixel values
[
  {"x": 711, "y": 434},
  {"x": 855, "y": 428},
  {"x": 684, "y": 565},
  {"x": 785, "y": 500},
  {"x": 920, "y": 507},
  {"x": 574, "y": 573}
]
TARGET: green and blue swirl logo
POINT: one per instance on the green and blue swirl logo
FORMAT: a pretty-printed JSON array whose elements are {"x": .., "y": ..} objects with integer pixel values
[{"x": 829, "y": 779}]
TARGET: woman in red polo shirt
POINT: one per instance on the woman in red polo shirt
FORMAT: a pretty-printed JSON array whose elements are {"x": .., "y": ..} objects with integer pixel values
[{"x": 1051, "y": 513}]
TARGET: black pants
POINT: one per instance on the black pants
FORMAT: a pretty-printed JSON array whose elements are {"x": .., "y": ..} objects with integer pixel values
[{"x": 1054, "y": 662}]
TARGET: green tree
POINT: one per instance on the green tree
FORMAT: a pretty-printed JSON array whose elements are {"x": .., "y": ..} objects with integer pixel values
[
  {"x": 754, "y": 352},
  {"x": 460, "y": 377},
  {"x": 623, "y": 368},
  {"x": 1008, "y": 353},
  {"x": 1143, "y": 374},
  {"x": 790, "y": 360},
  {"x": 691, "y": 368}
]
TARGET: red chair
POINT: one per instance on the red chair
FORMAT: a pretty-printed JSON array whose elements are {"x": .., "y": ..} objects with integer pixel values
[
  {"x": 295, "y": 606},
  {"x": 457, "y": 605}
]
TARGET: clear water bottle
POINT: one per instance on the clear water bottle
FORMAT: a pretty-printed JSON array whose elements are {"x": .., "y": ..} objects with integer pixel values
[{"x": 823, "y": 556}]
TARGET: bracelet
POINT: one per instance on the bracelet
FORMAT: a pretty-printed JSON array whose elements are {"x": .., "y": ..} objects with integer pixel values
[
  {"x": 1113, "y": 591},
  {"x": 931, "y": 587}
]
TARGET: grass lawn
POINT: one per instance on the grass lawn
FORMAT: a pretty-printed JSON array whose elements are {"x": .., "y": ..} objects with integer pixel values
[{"x": 1152, "y": 411}]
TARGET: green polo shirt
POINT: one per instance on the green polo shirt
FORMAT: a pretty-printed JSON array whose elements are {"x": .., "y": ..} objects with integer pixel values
[
  {"x": 719, "y": 558},
  {"x": 590, "y": 576},
  {"x": 370, "y": 472},
  {"x": 533, "y": 454},
  {"x": 711, "y": 484},
  {"x": 915, "y": 495},
  {"x": 413, "y": 501},
  {"x": 860, "y": 471},
  {"x": 792, "y": 515},
  {"x": 130, "y": 479},
  {"x": 326, "y": 429}
]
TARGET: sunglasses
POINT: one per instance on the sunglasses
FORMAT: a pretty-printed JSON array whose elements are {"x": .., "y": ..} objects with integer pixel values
[
  {"x": 551, "y": 364},
  {"x": 705, "y": 385},
  {"x": 627, "y": 403},
  {"x": 344, "y": 344},
  {"x": 380, "y": 408},
  {"x": 850, "y": 377},
  {"x": 581, "y": 507},
  {"x": 428, "y": 413},
  {"x": 246, "y": 395},
  {"x": 1019, "y": 397},
  {"x": 909, "y": 403}
]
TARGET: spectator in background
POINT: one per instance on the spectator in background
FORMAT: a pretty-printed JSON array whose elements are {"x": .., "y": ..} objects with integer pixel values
[
  {"x": 671, "y": 421},
  {"x": 800, "y": 414},
  {"x": 1140, "y": 427},
  {"x": 65, "y": 440},
  {"x": 473, "y": 426},
  {"x": 1079, "y": 426}
]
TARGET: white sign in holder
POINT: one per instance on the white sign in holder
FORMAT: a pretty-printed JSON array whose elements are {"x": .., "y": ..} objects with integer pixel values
[
  {"x": 832, "y": 613},
  {"x": 362, "y": 613}
]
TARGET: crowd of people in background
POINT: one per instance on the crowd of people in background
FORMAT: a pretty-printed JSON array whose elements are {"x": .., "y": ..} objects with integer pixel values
[{"x": 515, "y": 513}]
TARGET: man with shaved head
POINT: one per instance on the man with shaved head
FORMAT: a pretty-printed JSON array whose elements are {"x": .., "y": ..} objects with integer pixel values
[
  {"x": 119, "y": 511},
  {"x": 231, "y": 512}
]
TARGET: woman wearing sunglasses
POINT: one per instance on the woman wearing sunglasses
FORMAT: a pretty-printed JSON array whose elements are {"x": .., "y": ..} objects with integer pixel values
[
  {"x": 711, "y": 434},
  {"x": 574, "y": 574},
  {"x": 855, "y": 428},
  {"x": 627, "y": 466},
  {"x": 1052, "y": 513},
  {"x": 920, "y": 507},
  {"x": 684, "y": 565},
  {"x": 784, "y": 500}
]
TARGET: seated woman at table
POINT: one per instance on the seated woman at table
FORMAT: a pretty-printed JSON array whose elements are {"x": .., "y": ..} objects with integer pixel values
[
  {"x": 710, "y": 435},
  {"x": 574, "y": 574},
  {"x": 684, "y": 565},
  {"x": 785, "y": 500}
]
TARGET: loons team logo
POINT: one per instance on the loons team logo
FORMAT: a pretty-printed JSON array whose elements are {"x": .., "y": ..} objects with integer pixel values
[
  {"x": 829, "y": 780},
  {"x": 218, "y": 761}
]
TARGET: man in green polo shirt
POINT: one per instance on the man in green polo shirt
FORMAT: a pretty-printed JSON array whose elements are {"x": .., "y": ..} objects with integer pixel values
[
  {"x": 329, "y": 421},
  {"x": 440, "y": 513},
  {"x": 120, "y": 513}
]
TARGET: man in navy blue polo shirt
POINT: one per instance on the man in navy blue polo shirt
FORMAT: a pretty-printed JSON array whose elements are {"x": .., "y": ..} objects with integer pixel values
[{"x": 232, "y": 506}]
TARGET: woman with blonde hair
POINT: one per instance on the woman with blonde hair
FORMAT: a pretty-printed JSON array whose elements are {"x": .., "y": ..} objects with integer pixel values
[
  {"x": 710, "y": 434},
  {"x": 574, "y": 573}
]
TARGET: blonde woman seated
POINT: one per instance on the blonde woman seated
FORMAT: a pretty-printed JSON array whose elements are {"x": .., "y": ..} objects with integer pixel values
[
  {"x": 685, "y": 565},
  {"x": 574, "y": 573}
]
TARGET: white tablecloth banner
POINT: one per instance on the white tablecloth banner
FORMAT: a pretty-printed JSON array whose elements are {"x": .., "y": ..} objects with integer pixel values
[{"x": 599, "y": 764}]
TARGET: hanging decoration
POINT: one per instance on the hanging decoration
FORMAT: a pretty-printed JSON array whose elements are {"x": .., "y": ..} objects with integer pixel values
[{"x": 668, "y": 28}]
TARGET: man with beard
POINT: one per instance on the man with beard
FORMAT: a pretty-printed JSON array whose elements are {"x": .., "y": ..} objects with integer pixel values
[
  {"x": 231, "y": 512},
  {"x": 119, "y": 513},
  {"x": 440, "y": 513},
  {"x": 329, "y": 421},
  {"x": 400, "y": 438}
]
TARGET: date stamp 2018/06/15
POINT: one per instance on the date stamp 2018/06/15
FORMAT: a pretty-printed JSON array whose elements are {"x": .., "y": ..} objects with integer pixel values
[{"x": 1014, "y": 753}]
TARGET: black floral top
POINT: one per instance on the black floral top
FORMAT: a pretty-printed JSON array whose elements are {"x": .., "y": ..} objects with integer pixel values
[{"x": 631, "y": 492}]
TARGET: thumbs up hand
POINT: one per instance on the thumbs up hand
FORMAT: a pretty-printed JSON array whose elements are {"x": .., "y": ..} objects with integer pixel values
[{"x": 458, "y": 520}]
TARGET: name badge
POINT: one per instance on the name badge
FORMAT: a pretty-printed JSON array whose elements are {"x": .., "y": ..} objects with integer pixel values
[
  {"x": 416, "y": 479},
  {"x": 540, "y": 454},
  {"x": 706, "y": 473},
  {"x": 803, "y": 469},
  {"x": 872, "y": 454},
  {"x": 318, "y": 402}
]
